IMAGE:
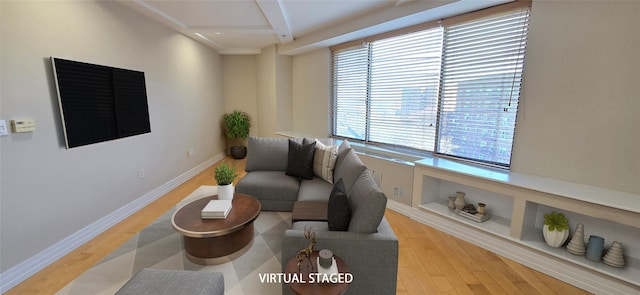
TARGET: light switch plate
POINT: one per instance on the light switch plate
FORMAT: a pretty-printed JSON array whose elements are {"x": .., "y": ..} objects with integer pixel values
[{"x": 3, "y": 128}]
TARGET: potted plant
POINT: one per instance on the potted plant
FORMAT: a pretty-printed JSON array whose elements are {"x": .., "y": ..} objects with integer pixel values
[
  {"x": 225, "y": 175},
  {"x": 237, "y": 125},
  {"x": 555, "y": 229}
]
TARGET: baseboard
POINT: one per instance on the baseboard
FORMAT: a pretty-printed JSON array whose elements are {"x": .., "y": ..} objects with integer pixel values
[
  {"x": 22, "y": 271},
  {"x": 572, "y": 274}
]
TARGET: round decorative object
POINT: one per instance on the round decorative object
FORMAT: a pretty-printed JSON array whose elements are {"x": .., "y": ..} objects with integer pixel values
[
  {"x": 225, "y": 192},
  {"x": 238, "y": 152},
  {"x": 595, "y": 248},
  {"x": 554, "y": 238},
  {"x": 482, "y": 208},
  {"x": 576, "y": 245},
  {"x": 615, "y": 255},
  {"x": 459, "y": 202},
  {"x": 325, "y": 258},
  {"x": 451, "y": 203}
]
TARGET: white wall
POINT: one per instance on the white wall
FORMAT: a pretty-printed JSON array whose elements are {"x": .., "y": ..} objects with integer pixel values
[
  {"x": 274, "y": 92},
  {"x": 47, "y": 192},
  {"x": 579, "y": 114},
  {"x": 240, "y": 87},
  {"x": 312, "y": 92},
  {"x": 581, "y": 96}
]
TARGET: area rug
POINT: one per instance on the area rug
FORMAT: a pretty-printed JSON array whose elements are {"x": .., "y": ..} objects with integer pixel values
[{"x": 159, "y": 246}]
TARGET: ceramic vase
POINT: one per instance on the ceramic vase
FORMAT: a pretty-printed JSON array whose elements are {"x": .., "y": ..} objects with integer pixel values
[
  {"x": 595, "y": 248},
  {"x": 554, "y": 238},
  {"x": 576, "y": 245},
  {"x": 225, "y": 192},
  {"x": 459, "y": 202},
  {"x": 451, "y": 203},
  {"x": 615, "y": 255},
  {"x": 482, "y": 209}
]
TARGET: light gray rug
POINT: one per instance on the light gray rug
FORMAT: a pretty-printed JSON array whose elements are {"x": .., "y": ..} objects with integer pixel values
[{"x": 159, "y": 246}]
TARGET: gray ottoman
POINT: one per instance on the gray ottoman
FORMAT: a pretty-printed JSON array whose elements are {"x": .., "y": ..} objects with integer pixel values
[{"x": 171, "y": 282}]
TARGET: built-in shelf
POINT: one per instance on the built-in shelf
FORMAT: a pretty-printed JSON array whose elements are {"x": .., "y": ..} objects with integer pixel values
[
  {"x": 629, "y": 273},
  {"x": 517, "y": 202},
  {"x": 496, "y": 225}
]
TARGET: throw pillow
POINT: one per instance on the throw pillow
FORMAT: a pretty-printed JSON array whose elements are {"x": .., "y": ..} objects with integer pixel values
[
  {"x": 324, "y": 161},
  {"x": 300, "y": 160},
  {"x": 338, "y": 211}
]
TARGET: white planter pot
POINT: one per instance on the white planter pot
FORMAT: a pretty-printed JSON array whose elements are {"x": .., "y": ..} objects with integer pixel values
[
  {"x": 225, "y": 192},
  {"x": 554, "y": 238}
]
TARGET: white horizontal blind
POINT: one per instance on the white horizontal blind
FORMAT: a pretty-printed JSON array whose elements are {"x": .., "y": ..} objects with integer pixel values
[
  {"x": 481, "y": 79},
  {"x": 451, "y": 90},
  {"x": 350, "y": 92},
  {"x": 404, "y": 81}
]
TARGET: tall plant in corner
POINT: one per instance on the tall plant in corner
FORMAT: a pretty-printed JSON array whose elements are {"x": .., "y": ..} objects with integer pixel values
[
  {"x": 237, "y": 125},
  {"x": 555, "y": 229}
]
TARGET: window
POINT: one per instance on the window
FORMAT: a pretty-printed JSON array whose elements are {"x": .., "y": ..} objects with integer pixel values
[{"x": 451, "y": 89}]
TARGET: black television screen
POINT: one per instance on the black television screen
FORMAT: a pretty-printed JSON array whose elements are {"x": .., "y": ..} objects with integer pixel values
[{"x": 100, "y": 103}]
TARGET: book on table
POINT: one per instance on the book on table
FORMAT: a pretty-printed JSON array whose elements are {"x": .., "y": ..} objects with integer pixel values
[{"x": 216, "y": 209}]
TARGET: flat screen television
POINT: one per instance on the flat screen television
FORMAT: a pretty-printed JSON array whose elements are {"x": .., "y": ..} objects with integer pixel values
[{"x": 99, "y": 103}]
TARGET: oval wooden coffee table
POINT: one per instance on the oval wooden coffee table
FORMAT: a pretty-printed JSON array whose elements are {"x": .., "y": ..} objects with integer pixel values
[{"x": 215, "y": 241}]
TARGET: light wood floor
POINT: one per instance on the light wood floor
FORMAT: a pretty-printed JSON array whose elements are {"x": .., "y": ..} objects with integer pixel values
[{"x": 430, "y": 262}]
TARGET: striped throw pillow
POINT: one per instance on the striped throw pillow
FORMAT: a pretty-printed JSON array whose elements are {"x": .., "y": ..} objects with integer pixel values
[{"x": 324, "y": 161}]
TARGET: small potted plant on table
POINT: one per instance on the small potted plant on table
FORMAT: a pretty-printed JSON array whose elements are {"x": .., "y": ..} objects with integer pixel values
[
  {"x": 237, "y": 125},
  {"x": 225, "y": 175},
  {"x": 555, "y": 229}
]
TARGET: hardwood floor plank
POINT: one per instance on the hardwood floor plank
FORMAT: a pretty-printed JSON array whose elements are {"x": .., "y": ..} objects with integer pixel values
[{"x": 429, "y": 262}]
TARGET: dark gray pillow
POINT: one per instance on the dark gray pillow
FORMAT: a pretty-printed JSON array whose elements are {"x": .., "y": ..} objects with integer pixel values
[
  {"x": 300, "y": 160},
  {"x": 338, "y": 210}
]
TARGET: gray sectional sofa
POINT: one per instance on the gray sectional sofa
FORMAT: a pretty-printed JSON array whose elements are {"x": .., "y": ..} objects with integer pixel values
[{"x": 278, "y": 175}]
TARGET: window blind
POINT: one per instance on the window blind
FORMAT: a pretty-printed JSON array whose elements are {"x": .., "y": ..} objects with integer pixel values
[
  {"x": 404, "y": 78},
  {"x": 350, "y": 92},
  {"x": 451, "y": 90},
  {"x": 480, "y": 86}
]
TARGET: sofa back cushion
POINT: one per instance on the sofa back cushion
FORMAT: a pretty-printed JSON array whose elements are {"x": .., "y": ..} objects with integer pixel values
[
  {"x": 367, "y": 204},
  {"x": 348, "y": 167},
  {"x": 267, "y": 154}
]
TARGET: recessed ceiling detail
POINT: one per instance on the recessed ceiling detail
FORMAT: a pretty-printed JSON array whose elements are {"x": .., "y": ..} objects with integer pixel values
[{"x": 247, "y": 26}]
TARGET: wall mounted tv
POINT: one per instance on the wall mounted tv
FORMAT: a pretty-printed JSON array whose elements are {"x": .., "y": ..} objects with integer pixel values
[{"x": 99, "y": 103}]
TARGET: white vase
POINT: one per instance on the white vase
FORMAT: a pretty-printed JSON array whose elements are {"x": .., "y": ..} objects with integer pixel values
[
  {"x": 459, "y": 202},
  {"x": 554, "y": 238},
  {"x": 225, "y": 192}
]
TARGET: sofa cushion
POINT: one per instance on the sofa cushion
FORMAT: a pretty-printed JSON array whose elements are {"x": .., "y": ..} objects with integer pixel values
[
  {"x": 348, "y": 167},
  {"x": 162, "y": 281},
  {"x": 367, "y": 203},
  {"x": 338, "y": 211},
  {"x": 300, "y": 159},
  {"x": 315, "y": 226},
  {"x": 269, "y": 185},
  {"x": 324, "y": 161},
  {"x": 267, "y": 154},
  {"x": 315, "y": 189}
]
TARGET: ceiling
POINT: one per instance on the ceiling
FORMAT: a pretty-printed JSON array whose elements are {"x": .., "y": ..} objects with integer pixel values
[{"x": 237, "y": 27}]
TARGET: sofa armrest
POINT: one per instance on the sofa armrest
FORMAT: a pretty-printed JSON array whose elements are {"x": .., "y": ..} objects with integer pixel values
[{"x": 372, "y": 257}]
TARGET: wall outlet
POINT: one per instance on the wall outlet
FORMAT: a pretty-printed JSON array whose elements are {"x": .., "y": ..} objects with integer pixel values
[
  {"x": 141, "y": 173},
  {"x": 189, "y": 152},
  {"x": 398, "y": 192}
]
